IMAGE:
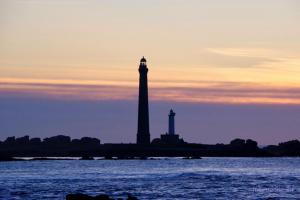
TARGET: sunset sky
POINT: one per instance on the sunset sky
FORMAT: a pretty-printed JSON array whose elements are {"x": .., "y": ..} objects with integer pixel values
[{"x": 228, "y": 68}]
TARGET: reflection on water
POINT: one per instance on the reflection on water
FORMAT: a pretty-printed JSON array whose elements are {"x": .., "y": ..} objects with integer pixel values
[{"x": 208, "y": 178}]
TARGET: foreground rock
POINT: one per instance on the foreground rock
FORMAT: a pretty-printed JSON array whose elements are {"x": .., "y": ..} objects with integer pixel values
[
  {"x": 80, "y": 196},
  {"x": 9, "y": 158}
]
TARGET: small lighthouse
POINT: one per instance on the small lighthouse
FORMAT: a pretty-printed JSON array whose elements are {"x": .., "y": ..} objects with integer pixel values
[
  {"x": 172, "y": 122},
  {"x": 170, "y": 138}
]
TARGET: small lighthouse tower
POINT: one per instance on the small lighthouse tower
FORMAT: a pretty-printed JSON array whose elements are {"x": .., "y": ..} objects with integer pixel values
[
  {"x": 170, "y": 138},
  {"x": 172, "y": 122}
]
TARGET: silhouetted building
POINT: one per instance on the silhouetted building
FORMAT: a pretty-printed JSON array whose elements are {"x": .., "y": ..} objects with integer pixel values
[
  {"x": 22, "y": 140},
  {"x": 58, "y": 140},
  {"x": 237, "y": 142},
  {"x": 143, "y": 133},
  {"x": 171, "y": 137},
  {"x": 86, "y": 141},
  {"x": 10, "y": 140},
  {"x": 35, "y": 141}
]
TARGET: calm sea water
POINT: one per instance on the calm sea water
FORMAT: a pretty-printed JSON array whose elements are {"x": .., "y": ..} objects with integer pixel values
[{"x": 208, "y": 178}]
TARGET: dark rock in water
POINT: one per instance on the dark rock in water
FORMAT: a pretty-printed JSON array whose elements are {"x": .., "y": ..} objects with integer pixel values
[
  {"x": 131, "y": 197},
  {"x": 108, "y": 158},
  {"x": 196, "y": 157},
  {"x": 143, "y": 158},
  {"x": 8, "y": 158},
  {"x": 192, "y": 157},
  {"x": 80, "y": 196},
  {"x": 86, "y": 158}
]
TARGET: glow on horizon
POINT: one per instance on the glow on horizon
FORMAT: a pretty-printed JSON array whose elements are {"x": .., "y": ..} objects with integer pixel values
[{"x": 201, "y": 51}]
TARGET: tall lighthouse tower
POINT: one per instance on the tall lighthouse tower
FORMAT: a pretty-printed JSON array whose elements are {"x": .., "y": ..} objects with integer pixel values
[{"x": 143, "y": 133}]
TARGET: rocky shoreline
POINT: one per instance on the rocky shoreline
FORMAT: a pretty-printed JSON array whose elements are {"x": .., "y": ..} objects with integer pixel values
[{"x": 7, "y": 158}]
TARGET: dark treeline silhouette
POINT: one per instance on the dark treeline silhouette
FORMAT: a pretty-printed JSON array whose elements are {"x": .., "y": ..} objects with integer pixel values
[
  {"x": 59, "y": 145},
  {"x": 87, "y": 147},
  {"x": 57, "y": 141},
  {"x": 289, "y": 148}
]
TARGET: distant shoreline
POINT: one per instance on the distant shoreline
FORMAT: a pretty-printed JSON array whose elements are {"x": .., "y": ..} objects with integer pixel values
[
  {"x": 88, "y": 148},
  {"x": 9, "y": 159}
]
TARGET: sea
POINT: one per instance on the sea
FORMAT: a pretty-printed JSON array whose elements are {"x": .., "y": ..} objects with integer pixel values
[{"x": 160, "y": 178}]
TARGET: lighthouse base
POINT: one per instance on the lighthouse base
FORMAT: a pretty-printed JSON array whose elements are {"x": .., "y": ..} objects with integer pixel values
[{"x": 171, "y": 139}]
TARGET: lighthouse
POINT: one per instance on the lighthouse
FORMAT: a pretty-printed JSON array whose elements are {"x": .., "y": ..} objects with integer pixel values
[
  {"x": 143, "y": 133},
  {"x": 170, "y": 138},
  {"x": 172, "y": 122}
]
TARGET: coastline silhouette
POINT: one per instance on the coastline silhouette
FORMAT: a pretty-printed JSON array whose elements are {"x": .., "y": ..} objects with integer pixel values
[
  {"x": 169, "y": 144},
  {"x": 87, "y": 147}
]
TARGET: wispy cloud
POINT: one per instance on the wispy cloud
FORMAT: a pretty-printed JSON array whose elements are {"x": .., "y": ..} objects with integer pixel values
[
  {"x": 265, "y": 58},
  {"x": 67, "y": 91},
  {"x": 244, "y": 52},
  {"x": 203, "y": 92}
]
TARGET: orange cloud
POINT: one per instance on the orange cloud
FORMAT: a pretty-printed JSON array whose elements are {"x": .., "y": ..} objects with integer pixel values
[{"x": 197, "y": 92}]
